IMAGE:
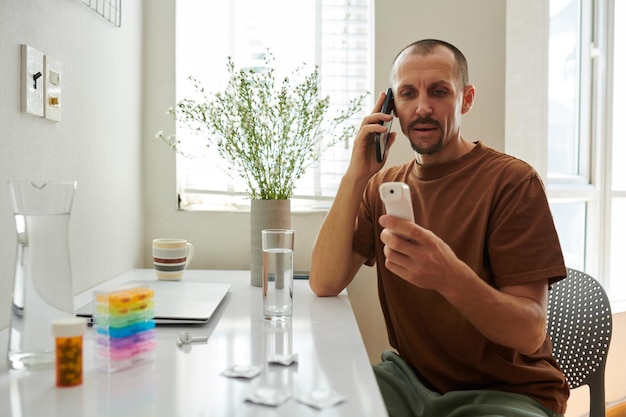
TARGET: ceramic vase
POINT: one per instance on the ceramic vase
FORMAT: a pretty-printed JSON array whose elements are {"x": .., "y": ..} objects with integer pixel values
[{"x": 265, "y": 214}]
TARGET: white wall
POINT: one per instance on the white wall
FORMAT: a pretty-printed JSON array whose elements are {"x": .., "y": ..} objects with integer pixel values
[
  {"x": 527, "y": 33},
  {"x": 96, "y": 144}
]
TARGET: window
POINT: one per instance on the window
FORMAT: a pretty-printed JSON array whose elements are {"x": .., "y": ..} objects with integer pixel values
[
  {"x": 615, "y": 199},
  {"x": 586, "y": 179},
  {"x": 333, "y": 34},
  {"x": 568, "y": 127}
]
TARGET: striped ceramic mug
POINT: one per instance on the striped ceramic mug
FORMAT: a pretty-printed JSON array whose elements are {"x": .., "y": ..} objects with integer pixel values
[{"x": 171, "y": 257}]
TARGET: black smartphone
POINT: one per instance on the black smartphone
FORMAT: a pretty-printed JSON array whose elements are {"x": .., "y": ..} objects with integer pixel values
[{"x": 381, "y": 138}]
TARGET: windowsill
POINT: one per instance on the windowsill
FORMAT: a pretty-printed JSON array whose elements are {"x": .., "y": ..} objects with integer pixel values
[
  {"x": 240, "y": 203},
  {"x": 618, "y": 306},
  {"x": 199, "y": 208},
  {"x": 570, "y": 192}
]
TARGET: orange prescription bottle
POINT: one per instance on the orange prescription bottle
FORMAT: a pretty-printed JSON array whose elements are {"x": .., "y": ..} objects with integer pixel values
[{"x": 68, "y": 333}]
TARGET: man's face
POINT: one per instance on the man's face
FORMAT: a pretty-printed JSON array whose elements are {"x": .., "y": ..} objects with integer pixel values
[{"x": 430, "y": 99}]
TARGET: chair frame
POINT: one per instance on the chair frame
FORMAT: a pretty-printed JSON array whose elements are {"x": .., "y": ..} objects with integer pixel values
[{"x": 580, "y": 328}]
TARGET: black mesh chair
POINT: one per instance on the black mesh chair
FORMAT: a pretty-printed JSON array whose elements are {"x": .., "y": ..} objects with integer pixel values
[{"x": 580, "y": 324}]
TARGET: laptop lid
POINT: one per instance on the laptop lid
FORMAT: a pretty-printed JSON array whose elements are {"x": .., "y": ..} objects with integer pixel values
[{"x": 177, "y": 302}]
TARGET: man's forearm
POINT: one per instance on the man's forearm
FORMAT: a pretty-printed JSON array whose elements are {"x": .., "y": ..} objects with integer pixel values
[
  {"x": 333, "y": 259},
  {"x": 513, "y": 316}
]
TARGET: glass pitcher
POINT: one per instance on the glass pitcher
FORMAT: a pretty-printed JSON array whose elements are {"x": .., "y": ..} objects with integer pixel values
[{"x": 42, "y": 287}]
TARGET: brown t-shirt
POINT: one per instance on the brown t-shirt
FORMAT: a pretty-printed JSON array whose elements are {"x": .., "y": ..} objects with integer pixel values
[{"x": 491, "y": 209}]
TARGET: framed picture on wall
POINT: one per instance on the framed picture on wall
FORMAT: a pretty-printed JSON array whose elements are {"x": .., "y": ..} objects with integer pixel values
[{"x": 111, "y": 10}]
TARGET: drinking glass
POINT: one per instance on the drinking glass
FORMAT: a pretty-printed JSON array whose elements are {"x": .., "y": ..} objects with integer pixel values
[{"x": 277, "y": 247}]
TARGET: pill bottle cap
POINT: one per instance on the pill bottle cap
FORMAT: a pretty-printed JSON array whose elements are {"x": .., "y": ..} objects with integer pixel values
[{"x": 69, "y": 326}]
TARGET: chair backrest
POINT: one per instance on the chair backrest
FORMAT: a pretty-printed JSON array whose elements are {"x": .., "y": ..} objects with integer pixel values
[{"x": 580, "y": 327}]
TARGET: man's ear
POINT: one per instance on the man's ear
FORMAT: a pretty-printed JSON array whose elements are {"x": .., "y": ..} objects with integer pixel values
[{"x": 468, "y": 98}]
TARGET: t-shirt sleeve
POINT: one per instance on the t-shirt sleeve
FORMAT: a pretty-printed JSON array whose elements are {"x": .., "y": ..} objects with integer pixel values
[
  {"x": 523, "y": 245},
  {"x": 363, "y": 241}
]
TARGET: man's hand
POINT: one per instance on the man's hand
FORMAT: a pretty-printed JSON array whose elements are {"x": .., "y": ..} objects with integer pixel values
[
  {"x": 363, "y": 163},
  {"x": 418, "y": 255}
]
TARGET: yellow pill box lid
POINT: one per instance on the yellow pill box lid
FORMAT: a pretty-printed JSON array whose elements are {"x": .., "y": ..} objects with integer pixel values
[{"x": 124, "y": 297}]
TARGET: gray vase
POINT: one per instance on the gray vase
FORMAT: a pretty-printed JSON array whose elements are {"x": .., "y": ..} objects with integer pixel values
[{"x": 265, "y": 214}]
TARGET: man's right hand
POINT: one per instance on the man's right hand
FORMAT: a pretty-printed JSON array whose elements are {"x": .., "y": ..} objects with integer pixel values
[{"x": 363, "y": 163}]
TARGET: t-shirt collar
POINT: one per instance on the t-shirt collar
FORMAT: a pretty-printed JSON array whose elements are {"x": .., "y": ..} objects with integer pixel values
[{"x": 432, "y": 172}]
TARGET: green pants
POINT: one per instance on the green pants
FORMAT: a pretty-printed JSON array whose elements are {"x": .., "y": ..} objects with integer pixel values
[{"x": 406, "y": 396}]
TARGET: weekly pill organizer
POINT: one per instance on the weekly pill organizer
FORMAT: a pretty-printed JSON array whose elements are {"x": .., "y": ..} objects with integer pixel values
[
  {"x": 176, "y": 302},
  {"x": 124, "y": 323}
]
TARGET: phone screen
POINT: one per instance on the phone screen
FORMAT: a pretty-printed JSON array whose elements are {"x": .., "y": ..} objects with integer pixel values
[{"x": 381, "y": 138}]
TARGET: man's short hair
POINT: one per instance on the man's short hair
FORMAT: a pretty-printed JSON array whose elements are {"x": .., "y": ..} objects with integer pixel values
[{"x": 427, "y": 46}]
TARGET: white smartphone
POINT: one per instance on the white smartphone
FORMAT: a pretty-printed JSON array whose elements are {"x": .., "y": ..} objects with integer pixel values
[{"x": 397, "y": 199}]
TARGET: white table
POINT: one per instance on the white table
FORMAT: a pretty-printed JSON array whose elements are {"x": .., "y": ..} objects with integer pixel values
[{"x": 187, "y": 382}]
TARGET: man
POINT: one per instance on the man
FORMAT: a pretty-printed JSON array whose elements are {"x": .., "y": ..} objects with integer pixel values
[{"x": 464, "y": 288}]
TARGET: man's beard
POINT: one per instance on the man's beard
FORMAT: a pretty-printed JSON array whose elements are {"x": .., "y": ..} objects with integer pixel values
[{"x": 426, "y": 150}]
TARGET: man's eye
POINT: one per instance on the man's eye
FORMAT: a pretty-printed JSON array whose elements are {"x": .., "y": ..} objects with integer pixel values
[{"x": 440, "y": 92}]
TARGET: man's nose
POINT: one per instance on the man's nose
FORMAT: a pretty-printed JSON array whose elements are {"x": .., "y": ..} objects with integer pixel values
[{"x": 424, "y": 107}]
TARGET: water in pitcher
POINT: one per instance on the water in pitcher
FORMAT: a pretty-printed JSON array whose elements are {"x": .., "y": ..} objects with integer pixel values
[
  {"x": 42, "y": 280},
  {"x": 278, "y": 283},
  {"x": 42, "y": 287}
]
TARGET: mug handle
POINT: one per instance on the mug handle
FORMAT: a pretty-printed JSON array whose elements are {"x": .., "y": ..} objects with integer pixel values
[{"x": 189, "y": 253}]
